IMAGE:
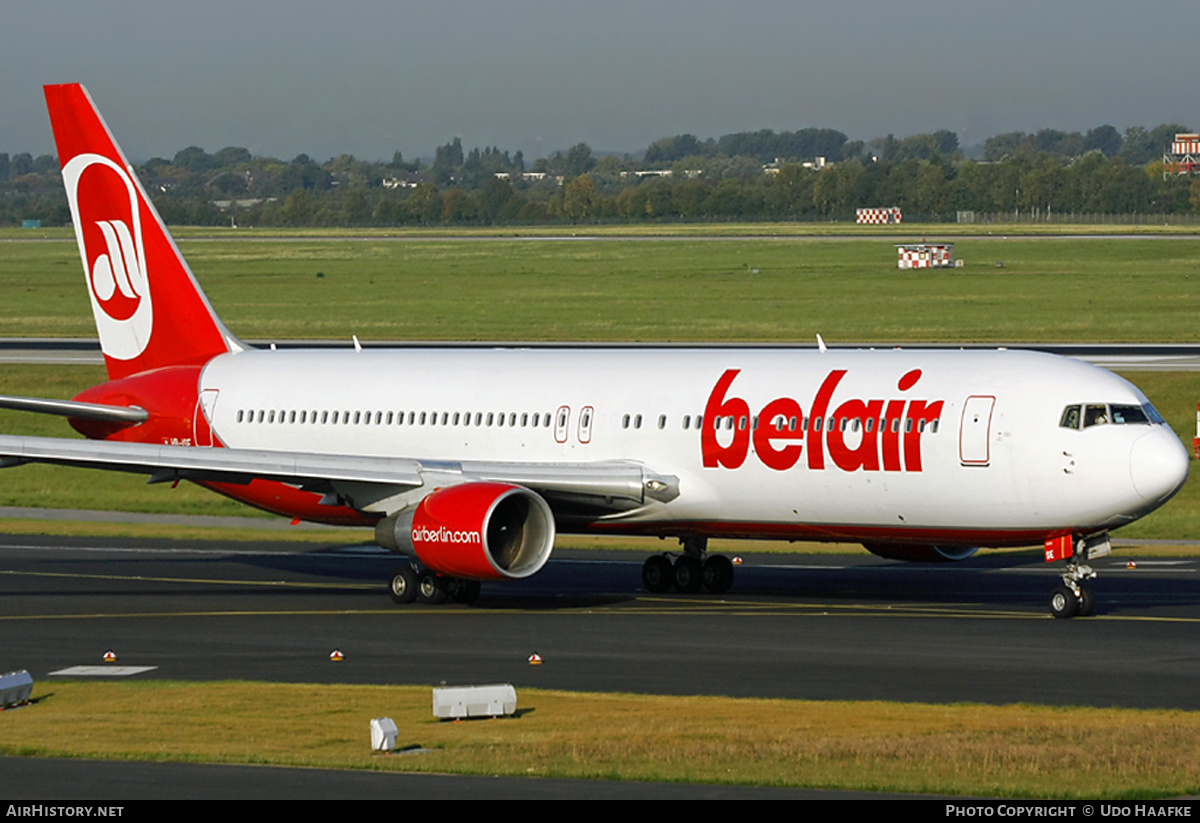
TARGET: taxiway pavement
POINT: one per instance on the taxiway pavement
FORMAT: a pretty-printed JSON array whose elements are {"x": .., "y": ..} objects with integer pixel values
[{"x": 795, "y": 626}]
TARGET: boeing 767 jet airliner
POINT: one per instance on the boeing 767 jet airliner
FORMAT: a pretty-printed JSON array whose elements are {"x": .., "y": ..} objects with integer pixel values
[{"x": 470, "y": 460}]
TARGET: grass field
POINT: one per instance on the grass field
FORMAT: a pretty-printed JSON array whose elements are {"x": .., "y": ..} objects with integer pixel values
[
  {"x": 1049, "y": 289},
  {"x": 1006, "y": 751}
]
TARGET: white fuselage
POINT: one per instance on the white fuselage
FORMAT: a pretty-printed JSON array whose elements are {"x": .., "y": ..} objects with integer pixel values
[{"x": 944, "y": 446}]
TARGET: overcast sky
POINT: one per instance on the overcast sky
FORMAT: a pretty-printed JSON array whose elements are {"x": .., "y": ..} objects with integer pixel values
[{"x": 370, "y": 77}]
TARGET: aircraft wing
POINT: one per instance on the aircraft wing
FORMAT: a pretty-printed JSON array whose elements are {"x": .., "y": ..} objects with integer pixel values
[{"x": 376, "y": 484}]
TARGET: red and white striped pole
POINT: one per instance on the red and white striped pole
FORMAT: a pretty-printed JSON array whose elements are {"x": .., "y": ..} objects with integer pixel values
[{"x": 1196, "y": 439}]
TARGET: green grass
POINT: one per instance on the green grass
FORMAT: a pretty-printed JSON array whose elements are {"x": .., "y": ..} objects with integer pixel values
[
  {"x": 650, "y": 290},
  {"x": 1006, "y": 751}
]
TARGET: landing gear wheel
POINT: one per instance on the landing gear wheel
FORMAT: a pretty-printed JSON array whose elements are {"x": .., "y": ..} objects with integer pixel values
[
  {"x": 689, "y": 576},
  {"x": 1087, "y": 602},
  {"x": 432, "y": 589},
  {"x": 656, "y": 574},
  {"x": 464, "y": 591},
  {"x": 718, "y": 574},
  {"x": 403, "y": 585},
  {"x": 1063, "y": 602}
]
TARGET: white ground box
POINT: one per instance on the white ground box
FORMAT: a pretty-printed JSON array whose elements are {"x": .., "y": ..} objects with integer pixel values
[
  {"x": 474, "y": 701},
  {"x": 15, "y": 687},
  {"x": 383, "y": 734}
]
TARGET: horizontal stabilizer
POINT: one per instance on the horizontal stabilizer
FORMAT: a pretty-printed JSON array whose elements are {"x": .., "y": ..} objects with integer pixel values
[{"x": 73, "y": 408}]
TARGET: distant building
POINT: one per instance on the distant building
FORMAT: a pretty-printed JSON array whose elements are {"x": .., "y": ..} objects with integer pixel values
[
  {"x": 816, "y": 164},
  {"x": 533, "y": 176},
  {"x": 409, "y": 180}
]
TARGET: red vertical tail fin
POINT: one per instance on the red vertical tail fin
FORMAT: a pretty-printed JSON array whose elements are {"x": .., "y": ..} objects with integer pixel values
[{"x": 149, "y": 309}]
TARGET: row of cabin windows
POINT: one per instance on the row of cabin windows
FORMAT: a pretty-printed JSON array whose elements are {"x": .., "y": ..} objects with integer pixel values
[
  {"x": 379, "y": 418},
  {"x": 536, "y": 419}
]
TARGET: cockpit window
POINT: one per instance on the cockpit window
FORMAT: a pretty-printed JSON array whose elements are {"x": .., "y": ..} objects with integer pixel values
[
  {"x": 1129, "y": 414},
  {"x": 1153, "y": 414},
  {"x": 1096, "y": 414}
]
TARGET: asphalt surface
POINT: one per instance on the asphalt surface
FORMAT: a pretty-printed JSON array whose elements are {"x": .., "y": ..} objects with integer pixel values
[{"x": 795, "y": 626}]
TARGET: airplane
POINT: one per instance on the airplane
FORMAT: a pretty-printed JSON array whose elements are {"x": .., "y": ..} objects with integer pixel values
[{"x": 470, "y": 460}]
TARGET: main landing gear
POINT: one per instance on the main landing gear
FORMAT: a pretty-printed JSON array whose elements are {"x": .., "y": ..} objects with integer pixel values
[
  {"x": 690, "y": 571},
  {"x": 409, "y": 584},
  {"x": 1072, "y": 598}
]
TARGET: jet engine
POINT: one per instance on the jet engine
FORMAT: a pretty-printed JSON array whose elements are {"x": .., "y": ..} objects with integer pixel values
[
  {"x": 476, "y": 531},
  {"x": 915, "y": 553}
]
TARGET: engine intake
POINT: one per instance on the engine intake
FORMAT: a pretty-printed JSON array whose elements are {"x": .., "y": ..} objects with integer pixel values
[
  {"x": 478, "y": 531},
  {"x": 916, "y": 553}
]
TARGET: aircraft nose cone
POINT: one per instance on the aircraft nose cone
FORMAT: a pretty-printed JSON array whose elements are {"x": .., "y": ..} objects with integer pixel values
[{"x": 1158, "y": 464}]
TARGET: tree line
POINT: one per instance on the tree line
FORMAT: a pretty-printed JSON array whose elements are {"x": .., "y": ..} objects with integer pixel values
[{"x": 760, "y": 175}]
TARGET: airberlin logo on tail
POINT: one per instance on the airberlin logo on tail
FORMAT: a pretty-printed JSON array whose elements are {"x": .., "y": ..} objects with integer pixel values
[
  {"x": 866, "y": 435},
  {"x": 105, "y": 207},
  {"x": 114, "y": 273}
]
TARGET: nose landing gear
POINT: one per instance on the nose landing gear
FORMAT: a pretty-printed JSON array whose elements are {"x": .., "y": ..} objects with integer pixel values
[{"x": 1072, "y": 598}]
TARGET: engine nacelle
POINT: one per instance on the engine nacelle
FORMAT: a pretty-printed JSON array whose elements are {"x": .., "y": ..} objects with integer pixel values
[
  {"x": 478, "y": 531},
  {"x": 915, "y": 553}
]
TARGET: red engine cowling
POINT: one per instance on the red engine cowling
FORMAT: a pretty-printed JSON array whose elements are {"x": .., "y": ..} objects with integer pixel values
[
  {"x": 915, "y": 553},
  {"x": 478, "y": 531}
]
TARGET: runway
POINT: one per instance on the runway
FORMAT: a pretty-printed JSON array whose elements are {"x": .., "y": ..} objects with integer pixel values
[{"x": 796, "y": 626}]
